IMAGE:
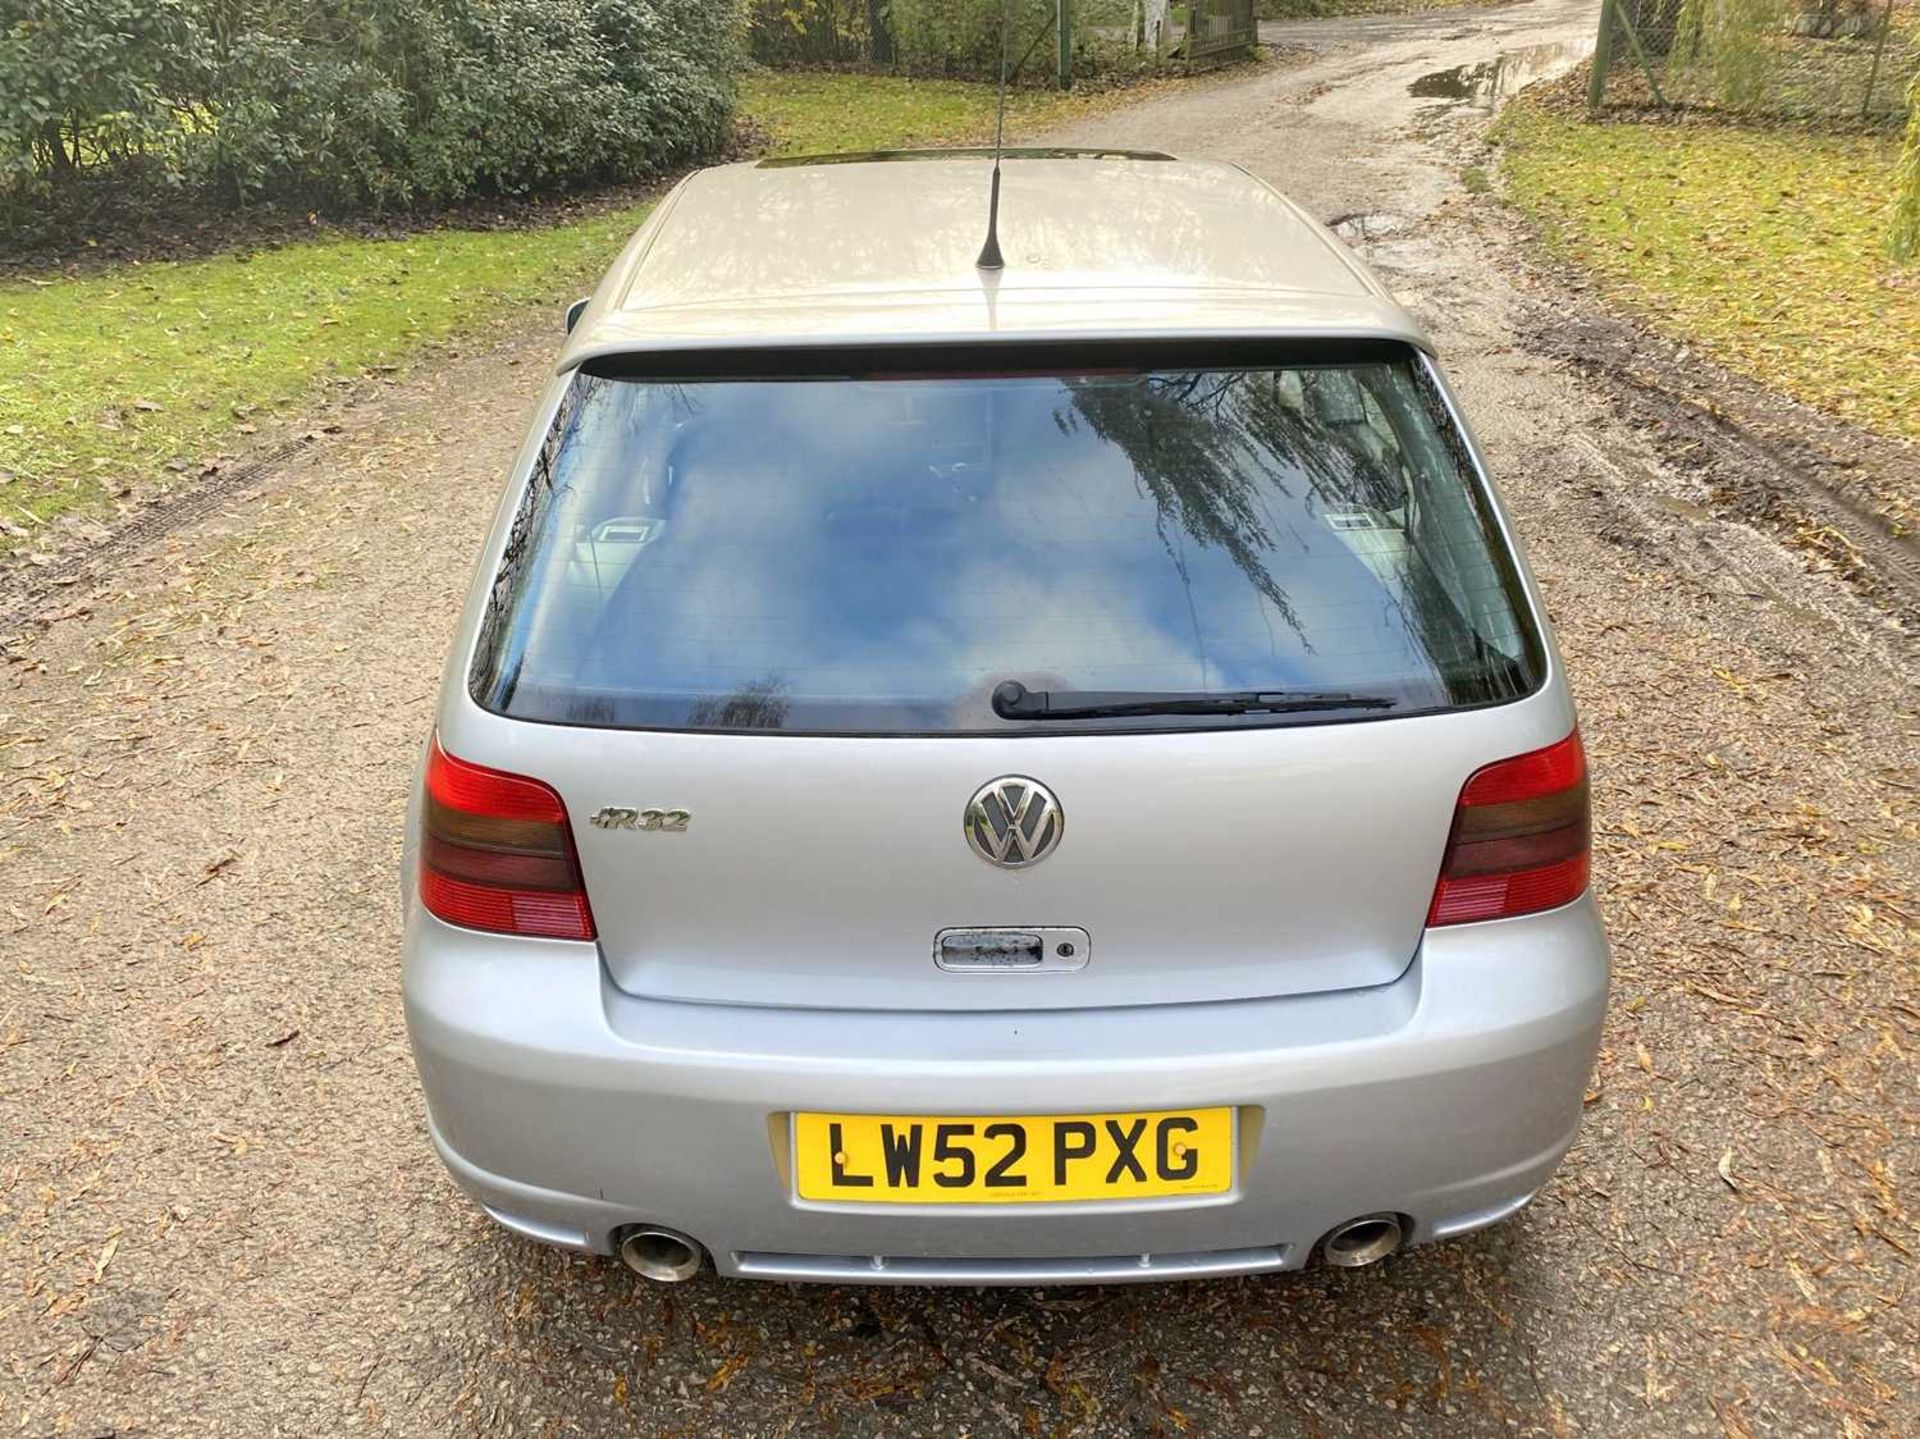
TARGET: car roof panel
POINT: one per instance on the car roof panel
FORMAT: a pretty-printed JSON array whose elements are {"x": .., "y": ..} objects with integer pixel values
[{"x": 867, "y": 249}]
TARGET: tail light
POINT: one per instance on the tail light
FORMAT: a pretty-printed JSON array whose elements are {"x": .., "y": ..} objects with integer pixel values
[
  {"x": 1520, "y": 839},
  {"x": 497, "y": 853}
]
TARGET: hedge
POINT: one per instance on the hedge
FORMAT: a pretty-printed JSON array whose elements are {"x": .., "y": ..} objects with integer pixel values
[
  {"x": 361, "y": 103},
  {"x": 954, "y": 39}
]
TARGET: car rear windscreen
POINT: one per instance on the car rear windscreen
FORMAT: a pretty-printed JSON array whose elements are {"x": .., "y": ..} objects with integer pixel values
[{"x": 878, "y": 554}]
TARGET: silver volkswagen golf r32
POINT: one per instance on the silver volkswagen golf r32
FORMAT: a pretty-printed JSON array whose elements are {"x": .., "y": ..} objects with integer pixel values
[{"x": 964, "y": 777}]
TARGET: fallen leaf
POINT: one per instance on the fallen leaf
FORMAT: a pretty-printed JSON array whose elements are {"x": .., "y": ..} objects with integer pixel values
[{"x": 106, "y": 1257}]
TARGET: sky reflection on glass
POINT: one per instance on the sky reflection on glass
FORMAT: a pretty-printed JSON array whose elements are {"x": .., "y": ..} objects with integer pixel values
[{"x": 836, "y": 556}]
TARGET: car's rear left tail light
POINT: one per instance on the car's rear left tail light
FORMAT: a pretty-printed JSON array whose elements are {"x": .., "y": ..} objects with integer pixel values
[
  {"x": 496, "y": 853},
  {"x": 1520, "y": 841}
]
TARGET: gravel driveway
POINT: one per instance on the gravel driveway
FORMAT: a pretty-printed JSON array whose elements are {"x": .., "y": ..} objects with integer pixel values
[{"x": 218, "y": 1210}]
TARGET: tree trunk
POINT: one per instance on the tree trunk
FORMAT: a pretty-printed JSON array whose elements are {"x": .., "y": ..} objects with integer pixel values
[{"x": 59, "y": 159}]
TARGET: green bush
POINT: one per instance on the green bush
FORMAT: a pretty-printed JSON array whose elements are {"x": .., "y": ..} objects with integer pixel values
[
  {"x": 350, "y": 103},
  {"x": 947, "y": 39},
  {"x": 1903, "y": 235},
  {"x": 87, "y": 81},
  {"x": 820, "y": 32}
]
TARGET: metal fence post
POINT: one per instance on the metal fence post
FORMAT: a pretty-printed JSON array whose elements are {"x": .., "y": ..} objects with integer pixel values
[
  {"x": 1602, "y": 54},
  {"x": 1063, "y": 30}
]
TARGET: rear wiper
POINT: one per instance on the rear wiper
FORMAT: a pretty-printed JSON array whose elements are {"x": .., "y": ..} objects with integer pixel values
[{"x": 1013, "y": 700}]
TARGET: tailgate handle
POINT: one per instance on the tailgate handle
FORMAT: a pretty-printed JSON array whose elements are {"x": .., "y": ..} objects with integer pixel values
[
  {"x": 990, "y": 949},
  {"x": 1041, "y": 949}
]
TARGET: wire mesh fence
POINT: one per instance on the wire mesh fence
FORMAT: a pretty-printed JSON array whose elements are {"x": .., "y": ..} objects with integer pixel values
[{"x": 1845, "y": 61}]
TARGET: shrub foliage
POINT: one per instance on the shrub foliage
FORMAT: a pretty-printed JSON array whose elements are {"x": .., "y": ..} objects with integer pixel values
[
  {"x": 361, "y": 103},
  {"x": 1903, "y": 235}
]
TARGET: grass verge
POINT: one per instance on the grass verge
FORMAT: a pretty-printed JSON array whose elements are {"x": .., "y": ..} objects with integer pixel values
[
  {"x": 121, "y": 374},
  {"x": 1762, "y": 248},
  {"x": 127, "y": 373}
]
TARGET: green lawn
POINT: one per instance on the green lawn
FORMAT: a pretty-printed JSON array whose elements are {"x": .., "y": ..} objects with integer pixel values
[
  {"x": 110, "y": 377},
  {"x": 1760, "y": 247},
  {"x": 806, "y": 112}
]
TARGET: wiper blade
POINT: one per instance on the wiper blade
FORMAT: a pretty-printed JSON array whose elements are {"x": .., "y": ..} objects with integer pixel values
[{"x": 1014, "y": 701}]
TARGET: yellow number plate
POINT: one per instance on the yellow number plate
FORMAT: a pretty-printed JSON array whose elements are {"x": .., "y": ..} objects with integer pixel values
[{"x": 1012, "y": 1159}]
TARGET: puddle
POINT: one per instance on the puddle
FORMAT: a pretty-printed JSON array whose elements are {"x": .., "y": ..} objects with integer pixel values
[
  {"x": 1686, "y": 509},
  {"x": 1485, "y": 84},
  {"x": 1358, "y": 228},
  {"x": 1813, "y": 619}
]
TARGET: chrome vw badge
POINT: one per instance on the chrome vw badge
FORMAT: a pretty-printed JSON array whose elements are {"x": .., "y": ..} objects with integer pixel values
[{"x": 1014, "y": 821}]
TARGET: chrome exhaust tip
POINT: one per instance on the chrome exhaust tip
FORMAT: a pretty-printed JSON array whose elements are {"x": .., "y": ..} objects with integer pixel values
[
  {"x": 663, "y": 1255},
  {"x": 1363, "y": 1241}
]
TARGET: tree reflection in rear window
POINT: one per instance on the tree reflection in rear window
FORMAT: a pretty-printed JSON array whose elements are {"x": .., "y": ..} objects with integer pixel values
[{"x": 859, "y": 556}]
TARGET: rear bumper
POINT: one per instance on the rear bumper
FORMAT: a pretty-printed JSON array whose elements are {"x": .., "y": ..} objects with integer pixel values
[{"x": 570, "y": 1109}]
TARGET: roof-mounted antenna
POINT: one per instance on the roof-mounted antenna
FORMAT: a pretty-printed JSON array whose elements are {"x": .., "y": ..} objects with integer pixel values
[{"x": 990, "y": 257}]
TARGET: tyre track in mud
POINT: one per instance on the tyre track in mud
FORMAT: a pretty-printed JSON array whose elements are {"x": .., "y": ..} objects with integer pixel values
[
  {"x": 1765, "y": 459},
  {"x": 27, "y": 590}
]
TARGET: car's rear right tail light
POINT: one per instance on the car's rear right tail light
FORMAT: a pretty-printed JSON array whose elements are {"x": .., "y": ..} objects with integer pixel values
[
  {"x": 496, "y": 853},
  {"x": 1521, "y": 840}
]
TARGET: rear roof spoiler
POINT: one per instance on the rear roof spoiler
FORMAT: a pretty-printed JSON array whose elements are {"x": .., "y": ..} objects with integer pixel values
[
  {"x": 1049, "y": 354},
  {"x": 960, "y": 152}
]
